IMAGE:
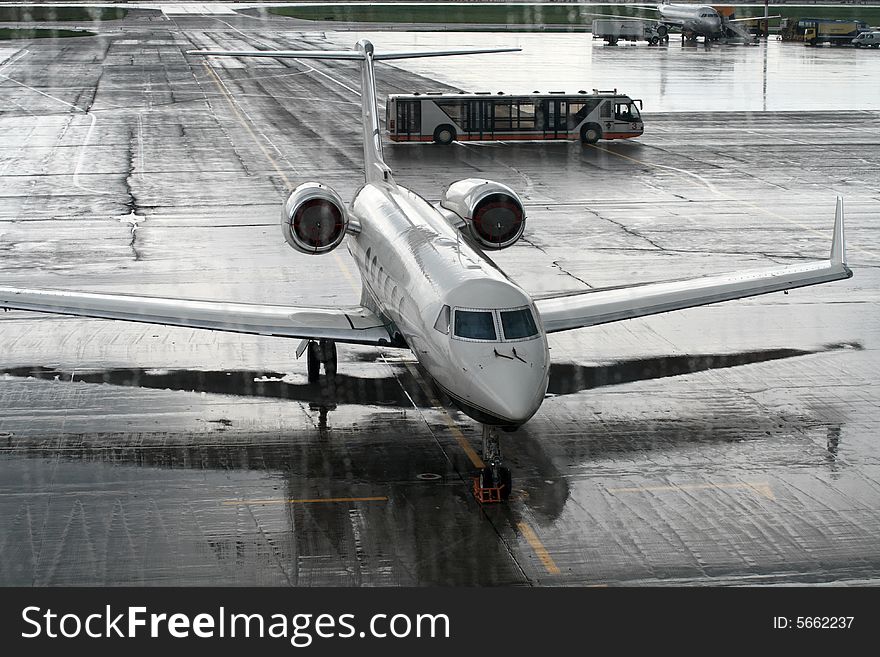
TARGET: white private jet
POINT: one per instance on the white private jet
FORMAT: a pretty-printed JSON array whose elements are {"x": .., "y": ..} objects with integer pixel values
[{"x": 427, "y": 284}]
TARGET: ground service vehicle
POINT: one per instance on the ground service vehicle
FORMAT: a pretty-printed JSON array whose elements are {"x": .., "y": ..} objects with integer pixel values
[
  {"x": 835, "y": 32},
  {"x": 444, "y": 118},
  {"x": 614, "y": 30},
  {"x": 867, "y": 40}
]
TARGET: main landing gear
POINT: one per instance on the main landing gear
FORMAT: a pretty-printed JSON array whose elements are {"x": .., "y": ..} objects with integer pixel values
[
  {"x": 493, "y": 483},
  {"x": 322, "y": 352}
]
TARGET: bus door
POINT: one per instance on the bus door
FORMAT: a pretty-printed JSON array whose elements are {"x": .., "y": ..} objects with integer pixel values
[
  {"x": 555, "y": 118},
  {"x": 409, "y": 119},
  {"x": 478, "y": 118}
]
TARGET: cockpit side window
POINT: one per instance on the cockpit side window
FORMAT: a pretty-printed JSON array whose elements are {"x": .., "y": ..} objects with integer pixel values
[
  {"x": 518, "y": 324},
  {"x": 475, "y": 324},
  {"x": 442, "y": 323}
]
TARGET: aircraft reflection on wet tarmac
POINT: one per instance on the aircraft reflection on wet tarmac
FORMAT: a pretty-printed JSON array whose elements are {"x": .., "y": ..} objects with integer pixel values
[
  {"x": 565, "y": 378},
  {"x": 297, "y": 460}
]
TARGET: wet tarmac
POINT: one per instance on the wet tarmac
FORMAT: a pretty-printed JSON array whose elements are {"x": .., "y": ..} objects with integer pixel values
[{"x": 731, "y": 444}]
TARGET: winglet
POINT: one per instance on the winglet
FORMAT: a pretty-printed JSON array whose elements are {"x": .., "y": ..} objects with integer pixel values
[{"x": 838, "y": 244}]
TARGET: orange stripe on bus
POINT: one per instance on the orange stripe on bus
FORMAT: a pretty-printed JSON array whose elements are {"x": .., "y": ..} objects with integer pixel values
[{"x": 514, "y": 137}]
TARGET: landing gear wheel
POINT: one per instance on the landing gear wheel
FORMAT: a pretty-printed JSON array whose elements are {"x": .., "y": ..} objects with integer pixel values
[
  {"x": 323, "y": 351},
  {"x": 328, "y": 356},
  {"x": 493, "y": 482},
  {"x": 313, "y": 362},
  {"x": 505, "y": 481},
  {"x": 655, "y": 40},
  {"x": 444, "y": 135},
  {"x": 591, "y": 133},
  {"x": 663, "y": 31}
]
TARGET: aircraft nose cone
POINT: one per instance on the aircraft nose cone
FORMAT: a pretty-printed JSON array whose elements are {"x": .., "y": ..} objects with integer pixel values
[{"x": 516, "y": 395}]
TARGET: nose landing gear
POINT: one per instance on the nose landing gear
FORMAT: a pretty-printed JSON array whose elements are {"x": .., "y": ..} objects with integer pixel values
[{"x": 493, "y": 483}]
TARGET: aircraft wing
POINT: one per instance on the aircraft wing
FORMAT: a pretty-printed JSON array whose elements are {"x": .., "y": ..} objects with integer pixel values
[
  {"x": 355, "y": 324},
  {"x": 752, "y": 18},
  {"x": 564, "y": 312},
  {"x": 644, "y": 19}
]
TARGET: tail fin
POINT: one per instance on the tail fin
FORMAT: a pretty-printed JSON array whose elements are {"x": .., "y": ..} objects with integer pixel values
[{"x": 375, "y": 169}]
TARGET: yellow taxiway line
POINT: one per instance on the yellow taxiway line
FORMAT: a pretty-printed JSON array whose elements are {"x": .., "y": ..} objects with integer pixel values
[{"x": 539, "y": 548}]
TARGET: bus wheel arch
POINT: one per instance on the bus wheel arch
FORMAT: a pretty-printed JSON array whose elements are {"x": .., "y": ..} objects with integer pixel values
[
  {"x": 591, "y": 133},
  {"x": 444, "y": 134}
]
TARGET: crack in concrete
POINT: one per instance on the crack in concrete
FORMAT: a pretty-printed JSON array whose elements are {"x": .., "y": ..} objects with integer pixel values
[
  {"x": 629, "y": 231},
  {"x": 556, "y": 263}
]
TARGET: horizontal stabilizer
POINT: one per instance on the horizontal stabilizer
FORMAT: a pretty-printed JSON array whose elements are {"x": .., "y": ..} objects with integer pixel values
[
  {"x": 440, "y": 53},
  {"x": 346, "y": 54},
  {"x": 295, "y": 54}
]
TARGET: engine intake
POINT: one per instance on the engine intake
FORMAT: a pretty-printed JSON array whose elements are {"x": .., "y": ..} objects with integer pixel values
[
  {"x": 493, "y": 212},
  {"x": 314, "y": 219}
]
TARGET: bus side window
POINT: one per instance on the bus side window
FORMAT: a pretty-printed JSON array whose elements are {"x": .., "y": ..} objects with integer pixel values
[
  {"x": 580, "y": 111},
  {"x": 606, "y": 109},
  {"x": 409, "y": 116},
  {"x": 452, "y": 109},
  {"x": 502, "y": 115},
  {"x": 526, "y": 115},
  {"x": 621, "y": 112}
]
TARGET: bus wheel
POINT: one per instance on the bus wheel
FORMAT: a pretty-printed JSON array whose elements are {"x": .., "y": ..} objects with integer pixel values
[
  {"x": 591, "y": 133},
  {"x": 444, "y": 134}
]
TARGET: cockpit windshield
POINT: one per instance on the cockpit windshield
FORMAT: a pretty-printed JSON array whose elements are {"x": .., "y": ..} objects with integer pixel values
[
  {"x": 475, "y": 325},
  {"x": 518, "y": 324},
  {"x": 490, "y": 325}
]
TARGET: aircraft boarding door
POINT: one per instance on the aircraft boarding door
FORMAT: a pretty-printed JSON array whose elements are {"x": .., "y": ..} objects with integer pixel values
[
  {"x": 409, "y": 119},
  {"x": 555, "y": 118},
  {"x": 478, "y": 119}
]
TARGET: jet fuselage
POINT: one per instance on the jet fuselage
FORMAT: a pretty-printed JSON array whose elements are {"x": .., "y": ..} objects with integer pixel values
[{"x": 412, "y": 264}]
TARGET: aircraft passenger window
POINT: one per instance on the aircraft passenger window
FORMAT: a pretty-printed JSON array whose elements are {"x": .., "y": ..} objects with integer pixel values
[
  {"x": 475, "y": 325},
  {"x": 442, "y": 323},
  {"x": 518, "y": 324}
]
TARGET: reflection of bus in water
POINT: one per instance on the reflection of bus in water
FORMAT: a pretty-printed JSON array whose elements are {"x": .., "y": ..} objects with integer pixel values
[{"x": 444, "y": 118}]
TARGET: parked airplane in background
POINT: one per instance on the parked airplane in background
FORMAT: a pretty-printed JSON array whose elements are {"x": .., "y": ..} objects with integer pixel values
[
  {"x": 428, "y": 286},
  {"x": 696, "y": 21}
]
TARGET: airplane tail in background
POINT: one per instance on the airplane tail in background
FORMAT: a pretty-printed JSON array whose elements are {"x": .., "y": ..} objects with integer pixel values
[{"x": 375, "y": 169}]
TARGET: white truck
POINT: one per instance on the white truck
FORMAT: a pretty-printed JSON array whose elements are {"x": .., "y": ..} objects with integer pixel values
[{"x": 614, "y": 30}]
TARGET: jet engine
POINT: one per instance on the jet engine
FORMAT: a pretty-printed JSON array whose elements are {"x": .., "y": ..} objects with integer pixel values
[
  {"x": 493, "y": 212},
  {"x": 314, "y": 219}
]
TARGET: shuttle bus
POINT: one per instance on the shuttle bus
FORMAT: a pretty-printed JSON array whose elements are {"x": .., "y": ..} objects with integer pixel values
[{"x": 446, "y": 117}]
